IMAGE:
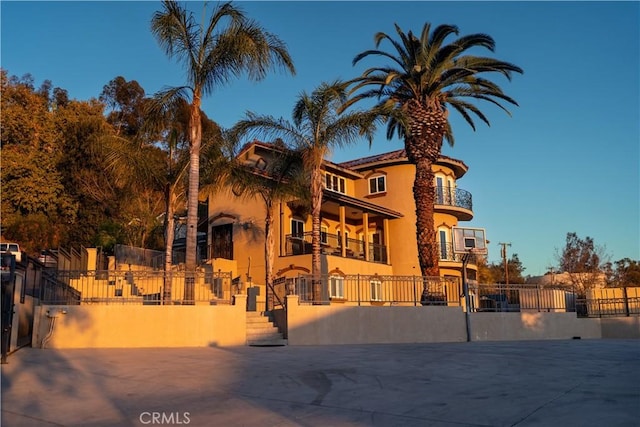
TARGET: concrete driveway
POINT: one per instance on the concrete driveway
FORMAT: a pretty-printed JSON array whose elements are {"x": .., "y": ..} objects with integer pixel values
[{"x": 533, "y": 383}]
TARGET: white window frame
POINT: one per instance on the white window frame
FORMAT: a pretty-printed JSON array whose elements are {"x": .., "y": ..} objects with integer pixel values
[
  {"x": 375, "y": 182},
  {"x": 335, "y": 183},
  {"x": 336, "y": 287},
  {"x": 324, "y": 234},
  {"x": 293, "y": 229},
  {"x": 376, "y": 290}
]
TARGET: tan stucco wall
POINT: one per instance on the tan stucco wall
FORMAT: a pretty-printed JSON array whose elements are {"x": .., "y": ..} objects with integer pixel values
[
  {"x": 531, "y": 326},
  {"x": 341, "y": 324},
  {"x": 119, "y": 326},
  {"x": 248, "y": 233}
]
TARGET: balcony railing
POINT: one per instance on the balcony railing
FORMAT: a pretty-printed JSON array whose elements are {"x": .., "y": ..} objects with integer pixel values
[
  {"x": 453, "y": 197},
  {"x": 330, "y": 244},
  {"x": 445, "y": 249}
]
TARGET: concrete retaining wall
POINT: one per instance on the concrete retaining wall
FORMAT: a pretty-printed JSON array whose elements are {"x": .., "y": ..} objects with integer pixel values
[
  {"x": 342, "y": 324},
  {"x": 620, "y": 327},
  {"x": 113, "y": 326},
  {"x": 531, "y": 326}
]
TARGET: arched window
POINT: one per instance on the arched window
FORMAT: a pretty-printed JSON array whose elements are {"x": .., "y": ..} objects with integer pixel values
[{"x": 444, "y": 241}]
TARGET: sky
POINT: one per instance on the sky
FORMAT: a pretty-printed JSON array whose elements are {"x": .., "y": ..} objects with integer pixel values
[{"x": 566, "y": 160}]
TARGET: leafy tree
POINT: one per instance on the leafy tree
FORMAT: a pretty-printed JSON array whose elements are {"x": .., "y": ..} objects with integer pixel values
[
  {"x": 421, "y": 80},
  {"x": 34, "y": 196},
  {"x": 126, "y": 102},
  {"x": 583, "y": 261},
  {"x": 494, "y": 272},
  {"x": 623, "y": 273},
  {"x": 212, "y": 55},
  {"x": 317, "y": 128}
]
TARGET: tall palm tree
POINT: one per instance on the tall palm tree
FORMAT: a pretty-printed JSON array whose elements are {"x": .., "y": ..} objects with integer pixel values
[
  {"x": 282, "y": 179},
  {"x": 317, "y": 129},
  {"x": 423, "y": 79},
  {"x": 212, "y": 56}
]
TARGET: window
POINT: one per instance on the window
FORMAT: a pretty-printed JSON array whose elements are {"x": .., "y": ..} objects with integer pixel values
[
  {"x": 377, "y": 184},
  {"x": 324, "y": 231},
  {"x": 297, "y": 228},
  {"x": 443, "y": 244},
  {"x": 376, "y": 290},
  {"x": 336, "y": 287},
  {"x": 335, "y": 183}
]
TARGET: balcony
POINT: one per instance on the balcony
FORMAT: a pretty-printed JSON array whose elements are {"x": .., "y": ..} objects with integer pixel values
[
  {"x": 330, "y": 244},
  {"x": 456, "y": 200}
]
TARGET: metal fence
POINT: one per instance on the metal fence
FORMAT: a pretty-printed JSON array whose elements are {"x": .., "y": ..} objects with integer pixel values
[
  {"x": 373, "y": 289},
  {"x": 608, "y": 307},
  {"x": 143, "y": 287},
  {"x": 521, "y": 298}
]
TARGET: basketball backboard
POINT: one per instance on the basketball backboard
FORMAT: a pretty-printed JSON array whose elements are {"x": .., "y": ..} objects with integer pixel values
[{"x": 469, "y": 240}]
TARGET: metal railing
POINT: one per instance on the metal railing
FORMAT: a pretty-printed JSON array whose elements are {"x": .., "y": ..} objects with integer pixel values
[
  {"x": 330, "y": 244},
  {"x": 453, "y": 197},
  {"x": 143, "y": 287},
  {"x": 608, "y": 307},
  {"x": 521, "y": 298},
  {"x": 374, "y": 289}
]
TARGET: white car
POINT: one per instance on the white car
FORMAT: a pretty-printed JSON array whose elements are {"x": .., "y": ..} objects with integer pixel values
[{"x": 12, "y": 248}]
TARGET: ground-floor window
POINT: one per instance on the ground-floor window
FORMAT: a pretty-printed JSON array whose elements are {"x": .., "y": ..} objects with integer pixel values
[
  {"x": 376, "y": 290},
  {"x": 336, "y": 287}
]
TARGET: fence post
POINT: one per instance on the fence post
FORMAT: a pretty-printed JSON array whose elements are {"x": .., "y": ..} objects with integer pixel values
[
  {"x": 626, "y": 301},
  {"x": 415, "y": 295},
  {"x": 358, "y": 282}
]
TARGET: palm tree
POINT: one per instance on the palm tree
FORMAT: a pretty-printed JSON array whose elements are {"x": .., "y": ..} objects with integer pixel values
[
  {"x": 212, "y": 55},
  {"x": 316, "y": 130},
  {"x": 425, "y": 78},
  {"x": 282, "y": 179}
]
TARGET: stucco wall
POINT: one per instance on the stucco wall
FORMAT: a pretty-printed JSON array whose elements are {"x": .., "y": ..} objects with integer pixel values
[
  {"x": 531, "y": 326},
  {"x": 111, "y": 326},
  {"x": 341, "y": 324}
]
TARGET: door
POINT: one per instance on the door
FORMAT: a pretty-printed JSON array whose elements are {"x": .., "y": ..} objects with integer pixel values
[{"x": 222, "y": 241}]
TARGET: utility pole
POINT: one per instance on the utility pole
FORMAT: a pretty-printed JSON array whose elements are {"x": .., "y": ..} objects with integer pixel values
[{"x": 503, "y": 251}]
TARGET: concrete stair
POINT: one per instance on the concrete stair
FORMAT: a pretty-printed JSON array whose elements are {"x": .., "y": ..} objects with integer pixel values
[{"x": 262, "y": 332}]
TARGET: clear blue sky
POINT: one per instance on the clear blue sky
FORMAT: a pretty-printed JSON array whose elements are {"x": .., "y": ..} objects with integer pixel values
[{"x": 566, "y": 161}]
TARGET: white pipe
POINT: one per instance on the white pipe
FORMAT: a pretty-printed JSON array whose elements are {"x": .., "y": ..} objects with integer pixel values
[{"x": 48, "y": 337}]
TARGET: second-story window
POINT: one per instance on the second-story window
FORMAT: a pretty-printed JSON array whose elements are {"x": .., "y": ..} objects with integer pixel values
[
  {"x": 297, "y": 228},
  {"x": 377, "y": 184},
  {"x": 335, "y": 183}
]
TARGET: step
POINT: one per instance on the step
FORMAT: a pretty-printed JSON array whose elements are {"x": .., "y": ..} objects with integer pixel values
[
  {"x": 261, "y": 332},
  {"x": 274, "y": 342}
]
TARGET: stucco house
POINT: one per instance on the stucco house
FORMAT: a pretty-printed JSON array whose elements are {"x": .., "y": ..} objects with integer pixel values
[{"x": 367, "y": 222}]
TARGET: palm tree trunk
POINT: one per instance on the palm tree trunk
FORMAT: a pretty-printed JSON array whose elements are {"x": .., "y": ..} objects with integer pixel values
[
  {"x": 424, "y": 196},
  {"x": 269, "y": 247},
  {"x": 316, "y": 205},
  {"x": 423, "y": 146},
  {"x": 195, "y": 133},
  {"x": 169, "y": 229}
]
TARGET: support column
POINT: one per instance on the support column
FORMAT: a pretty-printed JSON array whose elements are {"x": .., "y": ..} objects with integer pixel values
[
  {"x": 385, "y": 230},
  {"x": 343, "y": 240},
  {"x": 365, "y": 233}
]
